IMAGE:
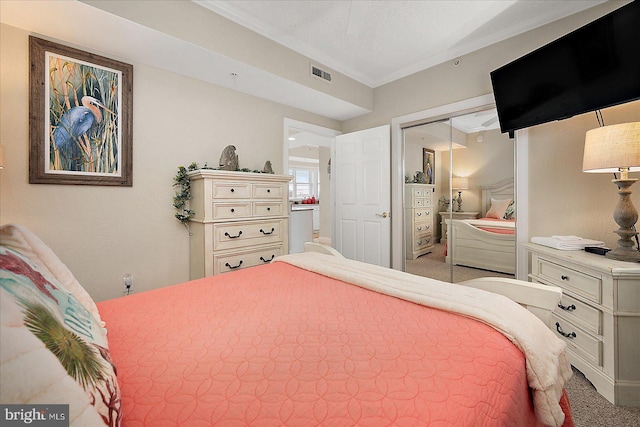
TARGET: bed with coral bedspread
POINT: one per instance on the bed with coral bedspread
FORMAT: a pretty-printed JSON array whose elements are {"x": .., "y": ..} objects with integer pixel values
[
  {"x": 489, "y": 242},
  {"x": 312, "y": 339}
]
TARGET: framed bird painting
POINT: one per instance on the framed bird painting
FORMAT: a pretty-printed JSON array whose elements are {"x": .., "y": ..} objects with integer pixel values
[{"x": 81, "y": 117}]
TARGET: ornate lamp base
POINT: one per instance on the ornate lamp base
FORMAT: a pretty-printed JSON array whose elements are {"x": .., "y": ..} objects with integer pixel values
[
  {"x": 459, "y": 202},
  {"x": 625, "y": 216}
]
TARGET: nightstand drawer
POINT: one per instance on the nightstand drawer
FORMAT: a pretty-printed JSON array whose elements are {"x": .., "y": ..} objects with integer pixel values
[
  {"x": 231, "y": 190},
  {"x": 587, "y": 286},
  {"x": 237, "y": 235},
  {"x": 580, "y": 313},
  {"x": 268, "y": 191},
  {"x": 225, "y": 262},
  {"x": 422, "y": 214},
  {"x": 578, "y": 340},
  {"x": 268, "y": 209},
  {"x": 230, "y": 210}
]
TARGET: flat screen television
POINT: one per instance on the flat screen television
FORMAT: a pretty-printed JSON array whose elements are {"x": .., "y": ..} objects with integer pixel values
[{"x": 593, "y": 67}]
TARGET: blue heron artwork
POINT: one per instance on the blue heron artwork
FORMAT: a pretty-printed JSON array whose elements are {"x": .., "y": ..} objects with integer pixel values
[
  {"x": 67, "y": 135},
  {"x": 83, "y": 105}
]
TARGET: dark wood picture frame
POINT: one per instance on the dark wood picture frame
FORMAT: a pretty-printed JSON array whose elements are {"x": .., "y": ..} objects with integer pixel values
[
  {"x": 80, "y": 117},
  {"x": 429, "y": 165}
]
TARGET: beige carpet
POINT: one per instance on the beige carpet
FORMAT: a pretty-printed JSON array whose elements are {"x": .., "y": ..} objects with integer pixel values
[{"x": 433, "y": 265}]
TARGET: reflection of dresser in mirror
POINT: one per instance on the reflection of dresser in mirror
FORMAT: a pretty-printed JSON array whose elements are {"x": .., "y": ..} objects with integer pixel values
[
  {"x": 419, "y": 222},
  {"x": 455, "y": 215}
]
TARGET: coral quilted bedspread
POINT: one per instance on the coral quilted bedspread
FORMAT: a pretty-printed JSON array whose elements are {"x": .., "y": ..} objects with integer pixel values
[{"x": 278, "y": 345}]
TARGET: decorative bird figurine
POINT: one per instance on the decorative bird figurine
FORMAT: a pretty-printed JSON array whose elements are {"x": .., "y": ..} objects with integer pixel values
[{"x": 73, "y": 124}]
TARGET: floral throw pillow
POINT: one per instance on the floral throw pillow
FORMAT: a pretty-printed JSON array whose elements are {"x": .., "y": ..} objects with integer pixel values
[{"x": 66, "y": 328}]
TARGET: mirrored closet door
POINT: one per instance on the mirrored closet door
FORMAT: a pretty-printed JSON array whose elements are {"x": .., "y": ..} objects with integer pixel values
[{"x": 459, "y": 165}]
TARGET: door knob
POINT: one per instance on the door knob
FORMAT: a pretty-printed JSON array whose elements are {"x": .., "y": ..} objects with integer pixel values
[{"x": 384, "y": 214}]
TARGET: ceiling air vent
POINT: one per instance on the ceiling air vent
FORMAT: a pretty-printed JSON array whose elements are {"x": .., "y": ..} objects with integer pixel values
[{"x": 321, "y": 74}]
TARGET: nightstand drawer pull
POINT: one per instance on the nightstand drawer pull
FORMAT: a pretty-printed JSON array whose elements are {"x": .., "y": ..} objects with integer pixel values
[
  {"x": 266, "y": 233},
  {"x": 233, "y": 266},
  {"x": 234, "y": 237},
  {"x": 567, "y": 308},
  {"x": 267, "y": 260},
  {"x": 563, "y": 277},
  {"x": 564, "y": 334}
]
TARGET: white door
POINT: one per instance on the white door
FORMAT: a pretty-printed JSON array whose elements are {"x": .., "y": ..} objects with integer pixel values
[{"x": 362, "y": 171}]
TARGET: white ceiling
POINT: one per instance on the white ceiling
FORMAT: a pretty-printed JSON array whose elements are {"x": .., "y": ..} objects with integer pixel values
[{"x": 376, "y": 42}]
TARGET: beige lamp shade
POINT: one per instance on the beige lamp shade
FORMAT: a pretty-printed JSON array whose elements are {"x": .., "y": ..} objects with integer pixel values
[
  {"x": 611, "y": 148},
  {"x": 460, "y": 183}
]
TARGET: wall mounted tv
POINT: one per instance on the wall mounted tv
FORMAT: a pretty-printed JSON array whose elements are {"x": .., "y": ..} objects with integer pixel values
[{"x": 593, "y": 67}]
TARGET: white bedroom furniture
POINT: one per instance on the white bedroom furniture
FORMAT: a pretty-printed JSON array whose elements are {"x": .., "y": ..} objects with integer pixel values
[
  {"x": 419, "y": 222},
  {"x": 454, "y": 215},
  {"x": 598, "y": 317},
  {"x": 471, "y": 246},
  {"x": 241, "y": 220}
]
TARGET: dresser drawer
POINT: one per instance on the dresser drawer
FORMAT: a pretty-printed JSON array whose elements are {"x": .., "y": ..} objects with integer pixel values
[
  {"x": 224, "y": 262},
  {"x": 421, "y": 192},
  {"x": 421, "y": 242},
  {"x": 268, "y": 209},
  {"x": 231, "y": 190},
  {"x": 268, "y": 191},
  {"x": 421, "y": 203},
  {"x": 587, "y": 286},
  {"x": 578, "y": 340},
  {"x": 231, "y": 210},
  {"x": 421, "y": 228},
  {"x": 237, "y": 235},
  {"x": 580, "y": 313},
  {"x": 422, "y": 214}
]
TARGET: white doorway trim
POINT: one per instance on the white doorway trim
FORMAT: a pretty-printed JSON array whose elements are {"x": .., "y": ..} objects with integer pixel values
[{"x": 398, "y": 173}]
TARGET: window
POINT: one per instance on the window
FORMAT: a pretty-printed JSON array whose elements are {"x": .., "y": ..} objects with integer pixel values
[{"x": 304, "y": 183}]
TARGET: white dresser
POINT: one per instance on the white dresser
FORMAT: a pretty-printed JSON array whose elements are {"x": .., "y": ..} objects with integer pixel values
[
  {"x": 418, "y": 216},
  {"x": 241, "y": 220},
  {"x": 598, "y": 317}
]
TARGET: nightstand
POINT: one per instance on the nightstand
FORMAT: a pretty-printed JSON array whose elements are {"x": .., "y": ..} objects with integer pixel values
[
  {"x": 456, "y": 215},
  {"x": 598, "y": 317}
]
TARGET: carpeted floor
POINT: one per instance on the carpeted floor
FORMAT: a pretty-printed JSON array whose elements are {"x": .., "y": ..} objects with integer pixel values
[
  {"x": 433, "y": 265},
  {"x": 589, "y": 408}
]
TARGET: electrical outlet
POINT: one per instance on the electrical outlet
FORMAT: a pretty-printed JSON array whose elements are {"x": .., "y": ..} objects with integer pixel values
[{"x": 127, "y": 281}]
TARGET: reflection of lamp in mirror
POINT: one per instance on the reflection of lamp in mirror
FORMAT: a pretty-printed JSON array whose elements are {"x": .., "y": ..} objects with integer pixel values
[
  {"x": 459, "y": 183},
  {"x": 616, "y": 148}
]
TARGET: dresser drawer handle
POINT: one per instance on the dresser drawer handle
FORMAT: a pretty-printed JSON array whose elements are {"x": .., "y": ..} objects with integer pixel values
[
  {"x": 233, "y": 190},
  {"x": 419, "y": 213},
  {"x": 567, "y": 308},
  {"x": 268, "y": 209},
  {"x": 564, "y": 334},
  {"x": 232, "y": 210},
  {"x": 233, "y": 237},
  {"x": 233, "y": 266},
  {"x": 266, "y": 233},
  {"x": 419, "y": 242},
  {"x": 268, "y": 260},
  {"x": 563, "y": 277},
  {"x": 419, "y": 228},
  {"x": 268, "y": 190}
]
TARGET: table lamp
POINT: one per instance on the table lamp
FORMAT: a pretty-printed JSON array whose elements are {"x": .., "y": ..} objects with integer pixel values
[
  {"x": 612, "y": 149},
  {"x": 459, "y": 183}
]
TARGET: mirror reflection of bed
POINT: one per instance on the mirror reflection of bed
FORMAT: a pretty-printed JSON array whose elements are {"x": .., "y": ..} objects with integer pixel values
[{"x": 468, "y": 146}]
